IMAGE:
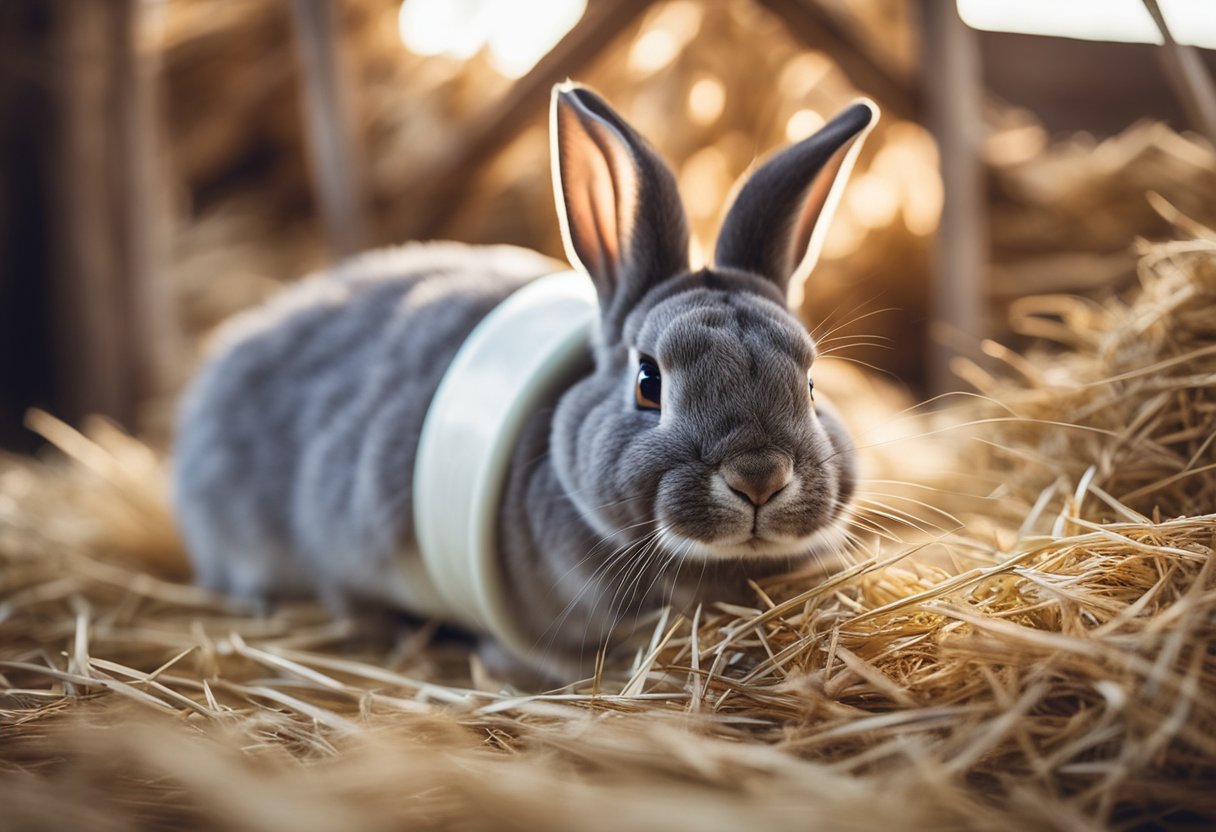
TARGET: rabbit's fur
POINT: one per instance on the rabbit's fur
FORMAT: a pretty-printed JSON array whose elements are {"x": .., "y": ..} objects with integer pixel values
[{"x": 296, "y": 443}]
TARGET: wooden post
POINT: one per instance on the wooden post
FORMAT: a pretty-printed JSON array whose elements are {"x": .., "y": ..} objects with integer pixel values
[
  {"x": 954, "y": 113},
  {"x": 111, "y": 310},
  {"x": 151, "y": 302},
  {"x": 88, "y": 294},
  {"x": 327, "y": 95},
  {"x": 82, "y": 285}
]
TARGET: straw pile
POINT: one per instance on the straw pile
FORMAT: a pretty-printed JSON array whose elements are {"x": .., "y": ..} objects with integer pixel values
[
  {"x": 1050, "y": 662},
  {"x": 1120, "y": 423}
]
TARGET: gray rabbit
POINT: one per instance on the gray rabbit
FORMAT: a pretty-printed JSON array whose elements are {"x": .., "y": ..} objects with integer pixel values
[{"x": 687, "y": 456}]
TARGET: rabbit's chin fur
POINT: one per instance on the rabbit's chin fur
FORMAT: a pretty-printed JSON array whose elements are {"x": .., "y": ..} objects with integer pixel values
[{"x": 812, "y": 547}]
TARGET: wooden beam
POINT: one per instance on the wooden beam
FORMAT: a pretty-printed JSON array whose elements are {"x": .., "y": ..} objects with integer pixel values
[
  {"x": 111, "y": 313},
  {"x": 873, "y": 75},
  {"x": 88, "y": 294},
  {"x": 334, "y": 160},
  {"x": 87, "y": 317},
  {"x": 1188, "y": 76},
  {"x": 151, "y": 301},
  {"x": 438, "y": 192},
  {"x": 954, "y": 113}
]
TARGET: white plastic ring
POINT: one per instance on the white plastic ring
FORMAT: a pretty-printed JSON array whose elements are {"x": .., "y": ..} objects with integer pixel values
[{"x": 508, "y": 366}]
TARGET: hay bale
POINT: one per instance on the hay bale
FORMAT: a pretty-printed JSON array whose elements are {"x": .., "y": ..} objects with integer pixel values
[{"x": 1119, "y": 405}]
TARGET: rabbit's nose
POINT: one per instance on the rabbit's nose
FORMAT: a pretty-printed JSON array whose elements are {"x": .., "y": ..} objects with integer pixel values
[{"x": 758, "y": 476}]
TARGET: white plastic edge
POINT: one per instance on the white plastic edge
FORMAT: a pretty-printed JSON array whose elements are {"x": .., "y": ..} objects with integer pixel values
[{"x": 506, "y": 368}]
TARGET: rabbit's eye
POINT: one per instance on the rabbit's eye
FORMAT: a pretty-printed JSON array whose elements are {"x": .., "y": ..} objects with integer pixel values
[{"x": 649, "y": 388}]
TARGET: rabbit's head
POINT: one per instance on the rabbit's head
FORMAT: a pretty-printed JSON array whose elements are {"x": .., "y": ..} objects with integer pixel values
[{"x": 699, "y": 425}]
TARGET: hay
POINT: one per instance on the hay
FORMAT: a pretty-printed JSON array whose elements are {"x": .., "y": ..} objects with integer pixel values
[
  {"x": 1135, "y": 384},
  {"x": 1049, "y": 663}
]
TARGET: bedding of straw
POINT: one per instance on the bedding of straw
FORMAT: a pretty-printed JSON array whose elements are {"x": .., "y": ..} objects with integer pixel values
[{"x": 1050, "y": 662}]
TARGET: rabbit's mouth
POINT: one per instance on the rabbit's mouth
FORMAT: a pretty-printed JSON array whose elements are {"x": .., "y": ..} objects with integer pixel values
[{"x": 828, "y": 539}]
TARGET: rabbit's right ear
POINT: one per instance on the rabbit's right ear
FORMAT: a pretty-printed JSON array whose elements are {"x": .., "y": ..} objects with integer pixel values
[
  {"x": 776, "y": 226},
  {"x": 620, "y": 211}
]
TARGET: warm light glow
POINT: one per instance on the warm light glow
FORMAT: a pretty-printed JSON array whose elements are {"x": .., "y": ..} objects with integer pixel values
[
  {"x": 1012, "y": 146},
  {"x": 844, "y": 236},
  {"x": 908, "y": 160},
  {"x": 681, "y": 17},
  {"x": 706, "y": 100},
  {"x": 653, "y": 51},
  {"x": 433, "y": 27},
  {"x": 517, "y": 33},
  {"x": 873, "y": 200},
  {"x": 923, "y": 205},
  {"x": 1190, "y": 21},
  {"x": 802, "y": 74},
  {"x": 525, "y": 31},
  {"x": 696, "y": 253},
  {"x": 802, "y": 124},
  {"x": 666, "y": 32},
  {"x": 704, "y": 177}
]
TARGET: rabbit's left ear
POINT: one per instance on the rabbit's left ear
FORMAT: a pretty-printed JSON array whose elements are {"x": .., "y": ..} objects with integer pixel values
[
  {"x": 621, "y": 216},
  {"x": 777, "y": 224}
]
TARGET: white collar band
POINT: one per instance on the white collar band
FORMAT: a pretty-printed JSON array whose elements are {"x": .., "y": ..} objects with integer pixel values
[{"x": 509, "y": 366}]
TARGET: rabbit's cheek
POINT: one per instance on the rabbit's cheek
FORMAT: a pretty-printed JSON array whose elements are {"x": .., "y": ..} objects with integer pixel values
[{"x": 688, "y": 505}]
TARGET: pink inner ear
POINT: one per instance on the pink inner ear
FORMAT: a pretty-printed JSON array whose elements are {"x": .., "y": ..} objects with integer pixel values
[
  {"x": 590, "y": 203},
  {"x": 812, "y": 206},
  {"x": 623, "y": 188},
  {"x": 599, "y": 189}
]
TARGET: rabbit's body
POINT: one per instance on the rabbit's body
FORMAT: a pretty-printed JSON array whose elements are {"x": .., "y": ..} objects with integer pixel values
[
  {"x": 688, "y": 458},
  {"x": 295, "y": 458},
  {"x": 296, "y": 444}
]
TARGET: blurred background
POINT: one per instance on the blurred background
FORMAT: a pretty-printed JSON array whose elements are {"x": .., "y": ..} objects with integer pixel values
[{"x": 166, "y": 163}]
